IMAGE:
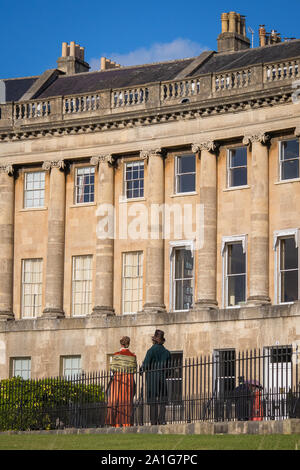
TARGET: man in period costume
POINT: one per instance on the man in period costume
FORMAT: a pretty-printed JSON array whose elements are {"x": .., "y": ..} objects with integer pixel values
[{"x": 155, "y": 365}]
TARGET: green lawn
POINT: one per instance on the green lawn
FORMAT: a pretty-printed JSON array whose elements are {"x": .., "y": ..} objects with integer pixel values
[{"x": 148, "y": 442}]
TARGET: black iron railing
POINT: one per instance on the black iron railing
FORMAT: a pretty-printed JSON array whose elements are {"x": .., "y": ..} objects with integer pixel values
[{"x": 251, "y": 385}]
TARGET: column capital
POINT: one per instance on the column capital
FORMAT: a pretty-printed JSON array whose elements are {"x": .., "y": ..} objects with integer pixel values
[
  {"x": 147, "y": 153},
  {"x": 105, "y": 158},
  {"x": 209, "y": 145},
  {"x": 260, "y": 137},
  {"x": 7, "y": 168},
  {"x": 49, "y": 164}
]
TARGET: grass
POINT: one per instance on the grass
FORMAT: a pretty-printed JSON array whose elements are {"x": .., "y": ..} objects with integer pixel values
[{"x": 148, "y": 442}]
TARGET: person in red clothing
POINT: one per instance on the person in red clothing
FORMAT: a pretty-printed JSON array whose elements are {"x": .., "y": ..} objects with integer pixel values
[
  {"x": 122, "y": 385},
  {"x": 257, "y": 409}
]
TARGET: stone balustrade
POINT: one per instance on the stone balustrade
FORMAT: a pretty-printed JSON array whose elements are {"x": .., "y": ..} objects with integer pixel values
[
  {"x": 156, "y": 95},
  {"x": 180, "y": 89},
  {"x": 129, "y": 97},
  {"x": 232, "y": 80},
  {"x": 81, "y": 104},
  {"x": 281, "y": 71},
  {"x": 32, "y": 109}
]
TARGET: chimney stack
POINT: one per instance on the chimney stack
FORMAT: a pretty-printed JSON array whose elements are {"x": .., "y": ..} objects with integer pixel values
[
  {"x": 107, "y": 64},
  {"x": 72, "y": 59},
  {"x": 233, "y": 35},
  {"x": 266, "y": 39}
]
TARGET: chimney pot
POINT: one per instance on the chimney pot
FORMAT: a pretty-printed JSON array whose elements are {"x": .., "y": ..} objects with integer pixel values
[
  {"x": 232, "y": 21},
  {"x": 72, "y": 48},
  {"x": 224, "y": 20},
  {"x": 64, "y": 49}
]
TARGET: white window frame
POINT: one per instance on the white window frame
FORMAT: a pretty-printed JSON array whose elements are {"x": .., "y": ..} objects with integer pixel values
[
  {"x": 36, "y": 309},
  {"x": 140, "y": 163},
  {"x": 34, "y": 190},
  {"x": 74, "y": 371},
  {"x": 24, "y": 368},
  {"x": 279, "y": 235},
  {"x": 281, "y": 142},
  {"x": 229, "y": 168},
  {"x": 78, "y": 187},
  {"x": 228, "y": 240},
  {"x": 181, "y": 244},
  {"x": 140, "y": 277},
  {"x": 177, "y": 175},
  {"x": 86, "y": 305}
]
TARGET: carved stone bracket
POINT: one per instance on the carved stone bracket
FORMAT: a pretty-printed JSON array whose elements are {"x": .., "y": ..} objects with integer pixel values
[
  {"x": 260, "y": 137},
  {"x": 147, "y": 153},
  {"x": 8, "y": 169},
  {"x": 49, "y": 164},
  {"x": 102, "y": 159},
  {"x": 208, "y": 145}
]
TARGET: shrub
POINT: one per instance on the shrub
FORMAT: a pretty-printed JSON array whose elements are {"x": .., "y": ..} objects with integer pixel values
[{"x": 45, "y": 403}]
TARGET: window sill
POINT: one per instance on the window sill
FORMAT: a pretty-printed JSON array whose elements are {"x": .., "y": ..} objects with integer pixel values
[
  {"x": 191, "y": 193},
  {"x": 134, "y": 199},
  {"x": 293, "y": 180},
  {"x": 236, "y": 188},
  {"x": 29, "y": 209},
  {"x": 84, "y": 204}
]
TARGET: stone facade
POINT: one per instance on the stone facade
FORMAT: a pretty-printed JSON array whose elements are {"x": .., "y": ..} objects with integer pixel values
[{"x": 205, "y": 113}]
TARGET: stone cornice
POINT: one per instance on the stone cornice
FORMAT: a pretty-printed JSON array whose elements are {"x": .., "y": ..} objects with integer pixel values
[{"x": 135, "y": 119}]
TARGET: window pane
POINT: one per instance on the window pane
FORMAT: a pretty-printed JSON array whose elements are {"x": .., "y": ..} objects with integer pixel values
[
  {"x": 290, "y": 149},
  {"x": 132, "y": 282},
  {"x": 186, "y": 183},
  {"x": 85, "y": 186},
  {"x": 186, "y": 164},
  {"x": 238, "y": 157},
  {"x": 236, "y": 259},
  {"x": 183, "y": 279},
  {"x": 288, "y": 254},
  {"x": 34, "y": 189},
  {"x": 289, "y": 286},
  {"x": 82, "y": 285},
  {"x": 290, "y": 169},
  {"x": 236, "y": 289},
  {"x": 238, "y": 176},
  {"x": 134, "y": 180}
]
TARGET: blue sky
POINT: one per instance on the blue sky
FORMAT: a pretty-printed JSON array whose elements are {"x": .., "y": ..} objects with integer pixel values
[{"x": 31, "y": 31}]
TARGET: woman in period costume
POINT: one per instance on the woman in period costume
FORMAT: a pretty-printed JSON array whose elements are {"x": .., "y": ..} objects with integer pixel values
[{"x": 122, "y": 386}]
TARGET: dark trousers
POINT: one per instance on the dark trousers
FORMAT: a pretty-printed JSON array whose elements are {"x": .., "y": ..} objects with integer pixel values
[{"x": 157, "y": 412}]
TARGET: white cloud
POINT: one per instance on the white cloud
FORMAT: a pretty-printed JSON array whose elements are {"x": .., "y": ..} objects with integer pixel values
[{"x": 157, "y": 52}]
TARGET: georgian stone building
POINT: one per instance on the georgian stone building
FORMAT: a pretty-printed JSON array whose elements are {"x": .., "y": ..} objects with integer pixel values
[{"x": 212, "y": 142}]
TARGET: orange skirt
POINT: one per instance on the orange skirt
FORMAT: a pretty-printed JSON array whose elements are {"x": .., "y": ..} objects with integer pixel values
[
  {"x": 120, "y": 398},
  {"x": 257, "y": 411}
]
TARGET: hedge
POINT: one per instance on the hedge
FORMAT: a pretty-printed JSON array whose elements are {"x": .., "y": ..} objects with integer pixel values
[{"x": 48, "y": 403}]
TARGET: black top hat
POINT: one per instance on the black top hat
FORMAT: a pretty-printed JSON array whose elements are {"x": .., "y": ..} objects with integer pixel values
[{"x": 158, "y": 337}]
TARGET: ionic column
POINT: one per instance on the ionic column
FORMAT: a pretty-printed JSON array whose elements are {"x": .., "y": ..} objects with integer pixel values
[
  {"x": 259, "y": 236},
  {"x": 207, "y": 251},
  {"x": 7, "y": 197},
  {"x": 54, "y": 283},
  {"x": 154, "y": 259},
  {"x": 104, "y": 279}
]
